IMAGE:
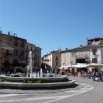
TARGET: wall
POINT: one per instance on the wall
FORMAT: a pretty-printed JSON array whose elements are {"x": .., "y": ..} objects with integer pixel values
[
  {"x": 65, "y": 58},
  {"x": 54, "y": 55},
  {"x": 102, "y": 55},
  {"x": 97, "y": 55}
]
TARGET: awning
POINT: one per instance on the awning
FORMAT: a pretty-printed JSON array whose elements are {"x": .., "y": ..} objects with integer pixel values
[
  {"x": 65, "y": 67},
  {"x": 80, "y": 65},
  {"x": 95, "y": 65}
]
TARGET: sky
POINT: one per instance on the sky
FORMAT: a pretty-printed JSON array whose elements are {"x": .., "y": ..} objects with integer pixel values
[{"x": 53, "y": 24}]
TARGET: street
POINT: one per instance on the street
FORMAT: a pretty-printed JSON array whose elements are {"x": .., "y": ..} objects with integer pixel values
[{"x": 92, "y": 92}]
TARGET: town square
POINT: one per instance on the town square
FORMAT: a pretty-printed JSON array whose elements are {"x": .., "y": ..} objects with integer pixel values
[{"x": 51, "y": 51}]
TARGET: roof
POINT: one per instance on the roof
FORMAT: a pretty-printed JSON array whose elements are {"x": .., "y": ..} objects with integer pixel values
[
  {"x": 57, "y": 51},
  {"x": 96, "y": 38},
  {"x": 82, "y": 47}
]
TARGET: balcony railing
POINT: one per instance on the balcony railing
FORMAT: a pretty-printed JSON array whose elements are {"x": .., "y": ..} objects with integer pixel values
[{"x": 8, "y": 54}]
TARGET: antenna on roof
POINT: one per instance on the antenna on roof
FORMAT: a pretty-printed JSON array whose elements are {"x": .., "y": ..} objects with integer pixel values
[
  {"x": 10, "y": 32},
  {"x": 0, "y": 30}
]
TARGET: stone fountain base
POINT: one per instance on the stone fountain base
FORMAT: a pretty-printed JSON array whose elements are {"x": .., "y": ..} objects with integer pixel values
[{"x": 48, "y": 82}]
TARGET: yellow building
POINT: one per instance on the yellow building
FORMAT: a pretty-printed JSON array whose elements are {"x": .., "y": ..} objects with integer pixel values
[{"x": 52, "y": 60}]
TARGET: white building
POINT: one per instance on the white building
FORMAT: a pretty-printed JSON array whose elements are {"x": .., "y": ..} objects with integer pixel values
[
  {"x": 87, "y": 58},
  {"x": 90, "y": 55}
]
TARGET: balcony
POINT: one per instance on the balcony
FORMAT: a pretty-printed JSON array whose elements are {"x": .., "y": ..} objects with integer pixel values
[
  {"x": 46, "y": 60},
  {"x": 7, "y": 54}
]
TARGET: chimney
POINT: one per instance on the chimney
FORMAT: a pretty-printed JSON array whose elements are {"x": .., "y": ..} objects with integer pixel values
[
  {"x": 87, "y": 41},
  {"x": 66, "y": 49},
  {"x": 8, "y": 32},
  {"x": 81, "y": 45},
  {"x": 0, "y": 32}
]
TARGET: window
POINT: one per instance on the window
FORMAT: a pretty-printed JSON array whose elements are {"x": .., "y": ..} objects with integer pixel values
[
  {"x": 31, "y": 48},
  {"x": 56, "y": 58},
  {"x": 81, "y": 60},
  {"x": 94, "y": 51},
  {"x": 16, "y": 42},
  {"x": 38, "y": 56},
  {"x": 15, "y": 52},
  {"x": 56, "y": 63},
  {"x": 89, "y": 42},
  {"x": 27, "y": 49},
  {"x": 94, "y": 60},
  {"x": 22, "y": 44},
  {"x": 22, "y": 53},
  {"x": 15, "y": 61},
  {"x": 7, "y": 52}
]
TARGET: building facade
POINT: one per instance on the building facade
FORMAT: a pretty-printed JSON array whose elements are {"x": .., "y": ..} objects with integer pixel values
[
  {"x": 52, "y": 61},
  {"x": 6, "y": 51},
  {"x": 36, "y": 54},
  {"x": 74, "y": 56},
  {"x": 14, "y": 51},
  {"x": 19, "y": 55},
  {"x": 90, "y": 55}
]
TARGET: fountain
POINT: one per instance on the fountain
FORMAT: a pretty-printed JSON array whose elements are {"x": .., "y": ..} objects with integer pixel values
[
  {"x": 35, "y": 80},
  {"x": 30, "y": 67},
  {"x": 41, "y": 73}
]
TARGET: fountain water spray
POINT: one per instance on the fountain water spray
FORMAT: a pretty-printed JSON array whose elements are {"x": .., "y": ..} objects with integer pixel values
[{"x": 29, "y": 66}]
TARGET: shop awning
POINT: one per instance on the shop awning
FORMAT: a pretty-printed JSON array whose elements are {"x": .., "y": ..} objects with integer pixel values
[
  {"x": 95, "y": 65},
  {"x": 80, "y": 65},
  {"x": 65, "y": 67}
]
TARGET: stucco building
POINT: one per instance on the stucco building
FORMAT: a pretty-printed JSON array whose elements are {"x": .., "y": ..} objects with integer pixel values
[{"x": 90, "y": 56}]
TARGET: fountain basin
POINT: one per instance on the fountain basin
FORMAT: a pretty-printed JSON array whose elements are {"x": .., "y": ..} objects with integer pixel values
[
  {"x": 18, "y": 85},
  {"x": 45, "y": 79},
  {"x": 48, "y": 82}
]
